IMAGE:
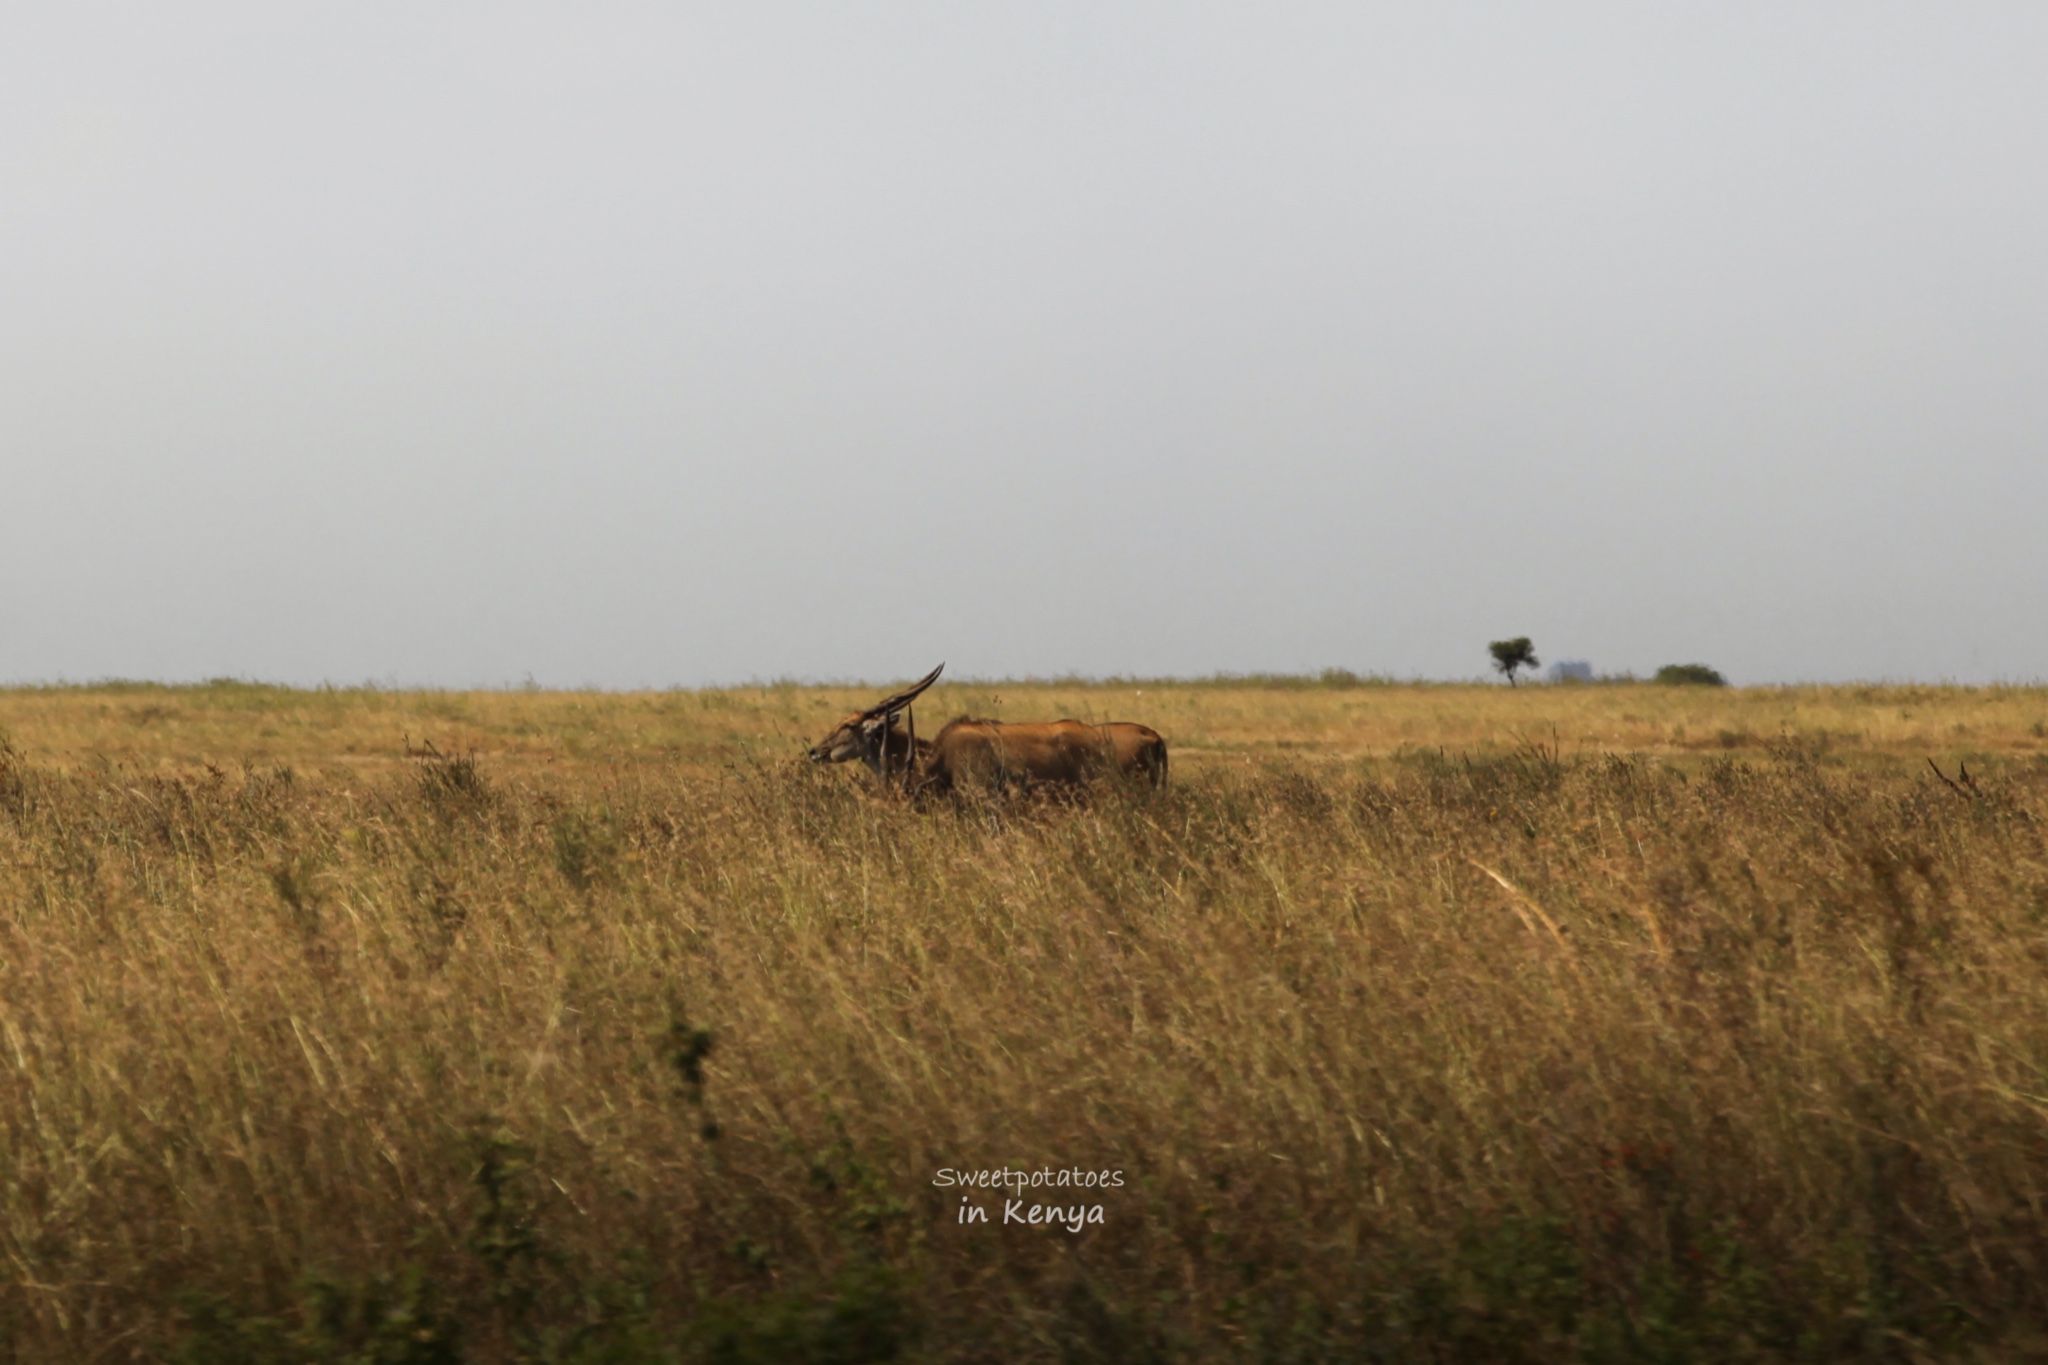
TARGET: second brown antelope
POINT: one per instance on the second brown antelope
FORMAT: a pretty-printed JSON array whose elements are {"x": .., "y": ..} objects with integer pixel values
[{"x": 990, "y": 753}]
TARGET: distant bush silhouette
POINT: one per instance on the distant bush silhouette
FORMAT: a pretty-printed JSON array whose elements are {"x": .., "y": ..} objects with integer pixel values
[
  {"x": 1509, "y": 655},
  {"x": 1690, "y": 675}
]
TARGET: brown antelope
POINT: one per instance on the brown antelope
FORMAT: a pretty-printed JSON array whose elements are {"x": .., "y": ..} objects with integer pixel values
[{"x": 970, "y": 752}]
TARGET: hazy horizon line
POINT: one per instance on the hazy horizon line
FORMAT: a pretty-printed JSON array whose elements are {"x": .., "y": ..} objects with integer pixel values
[{"x": 1330, "y": 679}]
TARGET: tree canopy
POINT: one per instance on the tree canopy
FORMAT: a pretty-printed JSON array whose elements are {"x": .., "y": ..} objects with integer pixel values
[{"x": 1509, "y": 656}]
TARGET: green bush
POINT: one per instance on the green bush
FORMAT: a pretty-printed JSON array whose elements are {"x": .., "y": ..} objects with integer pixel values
[{"x": 1689, "y": 675}]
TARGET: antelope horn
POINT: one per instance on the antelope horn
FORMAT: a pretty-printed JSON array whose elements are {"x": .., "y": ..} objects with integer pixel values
[{"x": 891, "y": 705}]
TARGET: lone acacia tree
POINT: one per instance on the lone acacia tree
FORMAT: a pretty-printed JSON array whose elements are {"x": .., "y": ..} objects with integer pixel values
[{"x": 1509, "y": 655}]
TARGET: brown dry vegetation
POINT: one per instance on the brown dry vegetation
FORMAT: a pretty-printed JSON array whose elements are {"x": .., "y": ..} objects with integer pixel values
[{"x": 1604, "y": 1023}]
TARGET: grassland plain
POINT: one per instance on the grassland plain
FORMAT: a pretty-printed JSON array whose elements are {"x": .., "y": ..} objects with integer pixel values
[{"x": 1421, "y": 1022}]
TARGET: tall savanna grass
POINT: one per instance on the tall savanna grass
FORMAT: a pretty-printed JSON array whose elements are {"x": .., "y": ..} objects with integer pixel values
[{"x": 1531, "y": 1052}]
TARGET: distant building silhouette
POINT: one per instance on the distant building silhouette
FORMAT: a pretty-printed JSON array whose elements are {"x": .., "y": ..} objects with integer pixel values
[{"x": 1570, "y": 670}]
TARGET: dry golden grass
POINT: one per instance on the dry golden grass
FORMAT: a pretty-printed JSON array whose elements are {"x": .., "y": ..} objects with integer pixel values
[
  {"x": 149, "y": 727},
  {"x": 1422, "y": 1022}
]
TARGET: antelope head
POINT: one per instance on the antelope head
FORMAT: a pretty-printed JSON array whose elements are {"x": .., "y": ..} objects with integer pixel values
[{"x": 864, "y": 734}]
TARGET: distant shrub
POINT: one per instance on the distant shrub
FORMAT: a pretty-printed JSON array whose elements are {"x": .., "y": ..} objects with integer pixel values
[{"x": 1689, "y": 675}]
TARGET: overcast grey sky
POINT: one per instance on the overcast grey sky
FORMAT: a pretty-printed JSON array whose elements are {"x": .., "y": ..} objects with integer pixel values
[{"x": 655, "y": 344}]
